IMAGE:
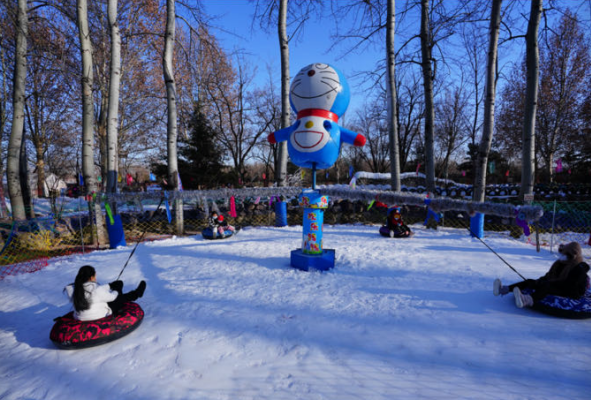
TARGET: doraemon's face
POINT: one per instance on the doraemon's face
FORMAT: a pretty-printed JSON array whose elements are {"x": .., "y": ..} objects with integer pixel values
[
  {"x": 310, "y": 135},
  {"x": 318, "y": 86}
]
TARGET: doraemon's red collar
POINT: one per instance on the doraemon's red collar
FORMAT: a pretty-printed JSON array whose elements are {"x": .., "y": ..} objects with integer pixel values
[{"x": 315, "y": 112}]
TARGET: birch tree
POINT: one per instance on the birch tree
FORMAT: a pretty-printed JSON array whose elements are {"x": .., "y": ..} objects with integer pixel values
[
  {"x": 392, "y": 96},
  {"x": 489, "y": 103},
  {"x": 88, "y": 145},
  {"x": 113, "y": 110},
  {"x": 532, "y": 62},
  {"x": 426, "y": 57},
  {"x": 281, "y": 167},
  {"x": 18, "y": 114},
  {"x": 171, "y": 126}
]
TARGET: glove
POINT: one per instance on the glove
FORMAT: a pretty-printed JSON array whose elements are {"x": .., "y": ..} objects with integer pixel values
[{"x": 116, "y": 286}]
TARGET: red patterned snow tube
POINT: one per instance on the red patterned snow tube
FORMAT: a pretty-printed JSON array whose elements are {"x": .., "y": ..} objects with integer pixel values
[{"x": 69, "y": 333}]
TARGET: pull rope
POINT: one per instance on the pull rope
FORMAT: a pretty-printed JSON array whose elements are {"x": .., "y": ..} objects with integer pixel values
[
  {"x": 497, "y": 254},
  {"x": 140, "y": 240}
]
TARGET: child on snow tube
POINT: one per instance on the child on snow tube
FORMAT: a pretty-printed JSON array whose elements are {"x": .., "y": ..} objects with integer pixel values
[
  {"x": 218, "y": 225},
  {"x": 566, "y": 278},
  {"x": 396, "y": 227},
  {"x": 93, "y": 301}
]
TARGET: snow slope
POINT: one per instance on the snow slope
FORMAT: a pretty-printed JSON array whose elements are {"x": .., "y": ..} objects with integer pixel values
[{"x": 396, "y": 319}]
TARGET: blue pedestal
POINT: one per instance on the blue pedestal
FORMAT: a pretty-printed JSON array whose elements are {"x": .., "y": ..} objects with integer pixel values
[
  {"x": 281, "y": 214},
  {"x": 477, "y": 225},
  {"x": 305, "y": 262},
  {"x": 116, "y": 234}
]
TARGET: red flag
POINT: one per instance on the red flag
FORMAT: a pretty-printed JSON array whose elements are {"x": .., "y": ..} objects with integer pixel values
[{"x": 507, "y": 173}]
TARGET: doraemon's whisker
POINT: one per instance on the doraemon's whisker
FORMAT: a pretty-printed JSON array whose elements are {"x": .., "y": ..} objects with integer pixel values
[
  {"x": 330, "y": 79},
  {"x": 327, "y": 72}
]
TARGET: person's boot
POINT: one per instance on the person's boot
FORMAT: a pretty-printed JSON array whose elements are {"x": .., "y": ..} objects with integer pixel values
[
  {"x": 499, "y": 289},
  {"x": 522, "y": 300},
  {"x": 141, "y": 288}
]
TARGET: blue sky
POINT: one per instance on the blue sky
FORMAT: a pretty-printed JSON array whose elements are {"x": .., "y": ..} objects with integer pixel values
[
  {"x": 311, "y": 46},
  {"x": 235, "y": 18}
]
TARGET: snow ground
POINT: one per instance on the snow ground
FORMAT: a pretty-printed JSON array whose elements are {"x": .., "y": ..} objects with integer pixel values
[{"x": 396, "y": 319}]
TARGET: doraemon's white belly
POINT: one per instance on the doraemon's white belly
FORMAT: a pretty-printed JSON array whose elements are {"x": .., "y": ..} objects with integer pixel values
[{"x": 310, "y": 135}]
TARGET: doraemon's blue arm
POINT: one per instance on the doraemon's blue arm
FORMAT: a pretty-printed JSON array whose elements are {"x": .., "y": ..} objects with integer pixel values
[
  {"x": 347, "y": 136},
  {"x": 282, "y": 134}
]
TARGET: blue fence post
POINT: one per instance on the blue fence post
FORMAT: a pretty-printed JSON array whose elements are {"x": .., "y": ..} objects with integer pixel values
[
  {"x": 280, "y": 214},
  {"x": 477, "y": 225},
  {"x": 116, "y": 234}
]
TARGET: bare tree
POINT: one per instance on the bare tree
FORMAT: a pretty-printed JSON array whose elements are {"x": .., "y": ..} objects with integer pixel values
[
  {"x": 113, "y": 110},
  {"x": 426, "y": 66},
  {"x": 489, "y": 103},
  {"x": 451, "y": 125},
  {"x": 18, "y": 114},
  {"x": 392, "y": 96},
  {"x": 372, "y": 122},
  {"x": 3, "y": 120},
  {"x": 532, "y": 61},
  {"x": 88, "y": 145},
  {"x": 167, "y": 68}
]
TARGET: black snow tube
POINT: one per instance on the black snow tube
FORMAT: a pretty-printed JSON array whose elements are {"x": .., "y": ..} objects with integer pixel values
[{"x": 208, "y": 234}]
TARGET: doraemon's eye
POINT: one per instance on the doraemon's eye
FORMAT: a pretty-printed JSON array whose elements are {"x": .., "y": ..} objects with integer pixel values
[{"x": 311, "y": 72}]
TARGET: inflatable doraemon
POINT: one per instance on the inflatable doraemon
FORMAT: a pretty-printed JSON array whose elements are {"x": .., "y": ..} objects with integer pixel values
[{"x": 319, "y": 94}]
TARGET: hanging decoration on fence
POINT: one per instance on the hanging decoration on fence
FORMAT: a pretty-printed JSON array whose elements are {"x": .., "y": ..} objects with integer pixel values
[
  {"x": 559, "y": 165},
  {"x": 491, "y": 167},
  {"x": 233, "y": 213},
  {"x": 168, "y": 215},
  {"x": 520, "y": 219},
  {"x": 109, "y": 213},
  {"x": 152, "y": 177}
]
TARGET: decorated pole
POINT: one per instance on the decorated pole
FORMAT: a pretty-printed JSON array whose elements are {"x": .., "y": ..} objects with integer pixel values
[{"x": 319, "y": 95}]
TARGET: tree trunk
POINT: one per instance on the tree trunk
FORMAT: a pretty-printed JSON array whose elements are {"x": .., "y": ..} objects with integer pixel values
[
  {"x": 171, "y": 126},
  {"x": 40, "y": 165},
  {"x": 426, "y": 42},
  {"x": 281, "y": 167},
  {"x": 113, "y": 112},
  {"x": 18, "y": 114},
  {"x": 532, "y": 62},
  {"x": 88, "y": 170},
  {"x": 24, "y": 179},
  {"x": 3, "y": 118},
  {"x": 392, "y": 106},
  {"x": 489, "y": 104}
]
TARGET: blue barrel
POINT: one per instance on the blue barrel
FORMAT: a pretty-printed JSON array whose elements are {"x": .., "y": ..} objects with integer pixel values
[
  {"x": 116, "y": 234},
  {"x": 477, "y": 225},
  {"x": 280, "y": 213}
]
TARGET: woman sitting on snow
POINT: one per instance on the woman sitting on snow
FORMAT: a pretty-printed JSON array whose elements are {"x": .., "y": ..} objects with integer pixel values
[
  {"x": 93, "y": 301},
  {"x": 395, "y": 224},
  {"x": 566, "y": 278},
  {"x": 218, "y": 225}
]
